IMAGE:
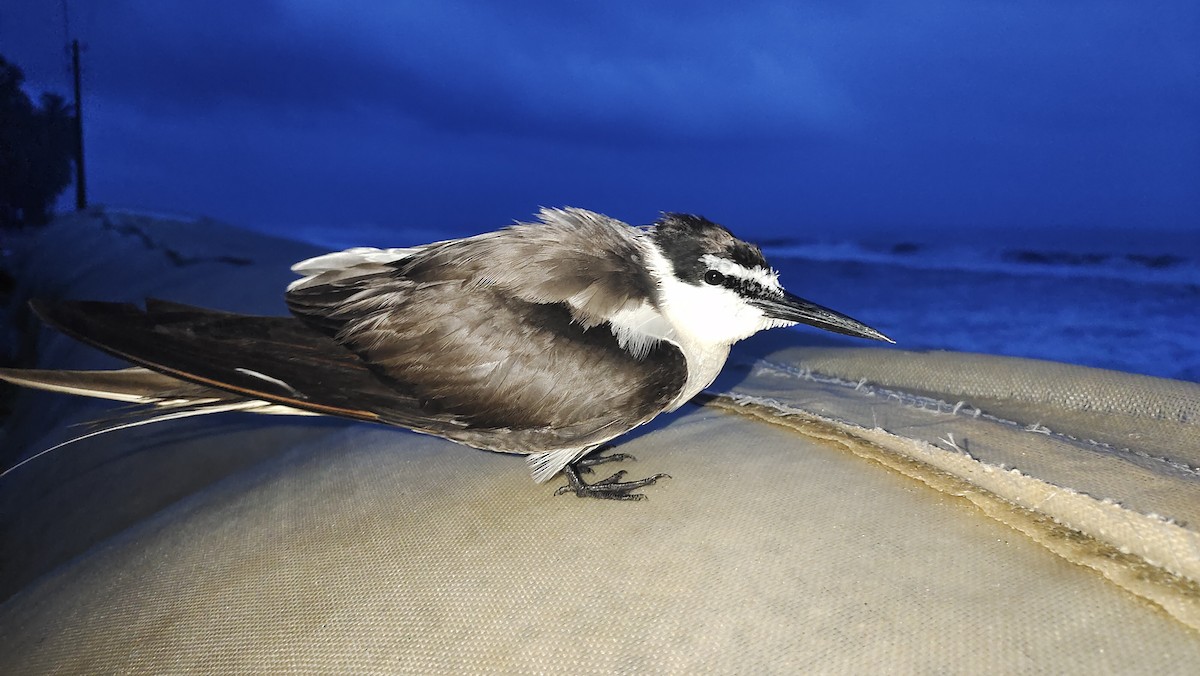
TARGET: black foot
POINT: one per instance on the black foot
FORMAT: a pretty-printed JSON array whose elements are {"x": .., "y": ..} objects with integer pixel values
[
  {"x": 611, "y": 488},
  {"x": 585, "y": 465}
]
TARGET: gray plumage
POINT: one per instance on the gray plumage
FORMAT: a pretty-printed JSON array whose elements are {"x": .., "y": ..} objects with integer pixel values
[{"x": 503, "y": 332}]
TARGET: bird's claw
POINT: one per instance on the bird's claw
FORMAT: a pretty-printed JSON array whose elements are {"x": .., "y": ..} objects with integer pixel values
[{"x": 611, "y": 488}]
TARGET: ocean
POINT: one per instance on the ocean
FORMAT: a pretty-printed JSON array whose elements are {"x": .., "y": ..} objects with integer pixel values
[
  {"x": 1127, "y": 300},
  {"x": 1114, "y": 299}
]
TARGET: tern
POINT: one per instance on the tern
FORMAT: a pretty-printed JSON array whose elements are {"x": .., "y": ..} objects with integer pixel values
[{"x": 547, "y": 339}]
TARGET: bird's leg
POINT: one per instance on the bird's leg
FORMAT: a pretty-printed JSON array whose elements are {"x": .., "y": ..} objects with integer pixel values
[
  {"x": 585, "y": 464},
  {"x": 611, "y": 488}
]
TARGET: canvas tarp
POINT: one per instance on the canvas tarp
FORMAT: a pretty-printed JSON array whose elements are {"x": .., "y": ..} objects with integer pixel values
[{"x": 831, "y": 509}]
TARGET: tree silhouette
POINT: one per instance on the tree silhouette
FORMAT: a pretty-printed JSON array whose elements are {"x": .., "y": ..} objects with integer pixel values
[{"x": 36, "y": 150}]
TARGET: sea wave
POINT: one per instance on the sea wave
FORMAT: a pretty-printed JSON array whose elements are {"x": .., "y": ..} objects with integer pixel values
[{"x": 1153, "y": 267}]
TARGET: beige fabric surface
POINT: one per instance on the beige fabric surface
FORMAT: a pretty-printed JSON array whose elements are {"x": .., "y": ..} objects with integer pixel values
[
  {"x": 1137, "y": 509},
  {"x": 818, "y": 520}
]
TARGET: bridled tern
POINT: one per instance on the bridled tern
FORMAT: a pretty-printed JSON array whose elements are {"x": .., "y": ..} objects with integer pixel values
[{"x": 546, "y": 339}]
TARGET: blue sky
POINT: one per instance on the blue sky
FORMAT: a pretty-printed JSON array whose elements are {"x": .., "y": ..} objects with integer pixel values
[{"x": 777, "y": 118}]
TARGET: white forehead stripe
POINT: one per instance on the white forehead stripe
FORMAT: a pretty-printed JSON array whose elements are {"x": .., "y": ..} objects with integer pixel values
[{"x": 764, "y": 276}]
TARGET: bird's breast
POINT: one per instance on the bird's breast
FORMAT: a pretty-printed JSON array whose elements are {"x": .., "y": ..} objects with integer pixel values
[{"x": 704, "y": 364}]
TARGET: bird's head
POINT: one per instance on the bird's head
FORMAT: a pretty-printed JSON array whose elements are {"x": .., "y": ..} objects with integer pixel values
[{"x": 718, "y": 289}]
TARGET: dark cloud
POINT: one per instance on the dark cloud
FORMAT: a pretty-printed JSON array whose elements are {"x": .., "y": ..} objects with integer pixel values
[{"x": 841, "y": 114}]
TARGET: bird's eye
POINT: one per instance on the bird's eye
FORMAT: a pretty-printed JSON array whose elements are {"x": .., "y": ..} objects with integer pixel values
[{"x": 713, "y": 277}]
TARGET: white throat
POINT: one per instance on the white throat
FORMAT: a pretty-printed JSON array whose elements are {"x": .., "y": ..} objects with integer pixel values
[{"x": 702, "y": 321}]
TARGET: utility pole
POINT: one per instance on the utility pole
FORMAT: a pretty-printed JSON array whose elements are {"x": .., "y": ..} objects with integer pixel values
[{"x": 80, "y": 180}]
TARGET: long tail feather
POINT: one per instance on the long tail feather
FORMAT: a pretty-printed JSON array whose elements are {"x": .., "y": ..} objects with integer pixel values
[
  {"x": 135, "y": 385},
  {"x": 156, "y": 398},
  {"x": 177, "y": 412}
]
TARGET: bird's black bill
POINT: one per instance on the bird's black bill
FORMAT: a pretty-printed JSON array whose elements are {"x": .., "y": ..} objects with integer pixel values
[{"x": 795, "y": 309}]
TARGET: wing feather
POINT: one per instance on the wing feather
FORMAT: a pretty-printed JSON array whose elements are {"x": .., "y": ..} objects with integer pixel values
[
  {"x": 509, "y": 329},
  {"x": 208, "y": 347},
  {"x": 594, "y": 264}
]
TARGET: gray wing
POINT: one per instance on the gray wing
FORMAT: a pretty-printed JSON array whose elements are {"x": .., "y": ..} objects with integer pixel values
[
  {"x": 506, "y": 331},
  {"x": 276, "y": 359}
]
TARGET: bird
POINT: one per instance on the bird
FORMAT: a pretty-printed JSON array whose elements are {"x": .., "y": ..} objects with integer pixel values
[{"x": 547, "y": 338}]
